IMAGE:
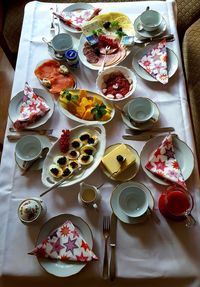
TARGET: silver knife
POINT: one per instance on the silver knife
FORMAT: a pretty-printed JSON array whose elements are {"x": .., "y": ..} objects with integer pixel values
[
  {"x": 152, "y": 130},
  {"x": 113, "y": 246}
]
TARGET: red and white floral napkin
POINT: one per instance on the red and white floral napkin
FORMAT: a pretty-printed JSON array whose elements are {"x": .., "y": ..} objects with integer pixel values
[
  {"x": 65, "y": 244},
  {"x": 32, "y": 108},
  {"x": 76, "y": 19},
  {"x": 163, "y": 163},
  {"x": 155, "y": 62}
]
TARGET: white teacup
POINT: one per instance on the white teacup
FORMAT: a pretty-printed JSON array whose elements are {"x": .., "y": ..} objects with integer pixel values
[
  {"x": 28, "y": 148},
  {"x": 133, "y": 201},
  {"x": 150, "y": 20},
  {"x": 31, "y": 210},
  {"x": 61, "y": 43},
  {"x": 140, "y": 109},
  {"x": 89, "y": 195}
]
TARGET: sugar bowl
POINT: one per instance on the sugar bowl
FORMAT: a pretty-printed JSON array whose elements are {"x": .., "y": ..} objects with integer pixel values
[{"x": 31, "y": 210}]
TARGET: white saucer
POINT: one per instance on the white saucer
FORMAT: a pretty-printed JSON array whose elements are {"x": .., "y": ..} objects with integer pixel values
[
  {"x": 53, "y": 55},
  {"x": 114, "y": 202},
  {"x": 147, "y": 34},
  {"x": 130, "y": 172},
  {"x": 145, "y": 126},
  {"x": 39, "y": 163}
]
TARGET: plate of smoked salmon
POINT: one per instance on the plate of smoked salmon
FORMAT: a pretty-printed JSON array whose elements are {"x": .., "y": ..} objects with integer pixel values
[
  {"x": 85, "y": 106},
  {"x": 54, "y": 76}
]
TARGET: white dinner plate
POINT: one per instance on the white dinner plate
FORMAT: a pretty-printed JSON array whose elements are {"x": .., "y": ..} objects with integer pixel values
[
  {"x": 183, "y": 154},
  {"x": 114, "y": 202},
  {"x": 57, "y": 267},
  {"x": 93, "y": 67},
  {"x": 144, "y": 126},
  {"x": 16, "y": 101},
  {"x": 39, "y": 163},
  {"x": 146, "y": 34},
  {"x": 127, "y": 174},
  {"x": 74, "y": 7},
  {"x": 97, "y": 130},
  {"x": 172, "y": 64},
  {"x": 83, "y": 121}
]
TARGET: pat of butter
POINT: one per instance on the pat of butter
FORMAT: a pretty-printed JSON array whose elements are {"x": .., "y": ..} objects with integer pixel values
[{"x": 113, "y": 165}]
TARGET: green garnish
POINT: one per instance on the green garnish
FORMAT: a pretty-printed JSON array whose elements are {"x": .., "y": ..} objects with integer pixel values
[
  {"x": 70, "y": 97},
  {"x": 120, "y": 33},
  {"x": 98, "y": 32},
  {"x": 98, "y": 111}
]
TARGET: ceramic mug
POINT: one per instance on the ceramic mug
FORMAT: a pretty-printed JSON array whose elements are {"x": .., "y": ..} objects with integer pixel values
[
  {"x": 28, "y": 148},
  {"x": 133, "y": 201},
  {"x": 31, "y": 210},
  {"x": 150, "y": 20},
  {"x": 89, "y": 195},
  {"x": 140, "y": 109},
  {"x": 61, "y": 43}
]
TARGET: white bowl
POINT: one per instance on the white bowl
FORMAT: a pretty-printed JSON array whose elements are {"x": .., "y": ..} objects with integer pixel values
[{"x": 128, "y": 74}]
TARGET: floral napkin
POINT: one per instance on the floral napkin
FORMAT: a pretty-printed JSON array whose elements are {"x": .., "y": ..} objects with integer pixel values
[
  {"x": 65, "y": 244},
  {"x": 163, "y": 163},
  {"x": 155, "y": 62},
  {"x": 76, "y": 19},
  {"x": 32, "y": 108}
]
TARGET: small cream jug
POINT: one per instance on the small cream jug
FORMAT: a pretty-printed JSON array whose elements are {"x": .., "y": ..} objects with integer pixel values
[{"x": 89, "y": 195}]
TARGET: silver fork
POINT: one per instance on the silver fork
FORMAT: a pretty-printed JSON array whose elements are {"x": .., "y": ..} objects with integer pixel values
[
  {"x": 106, "y": 234},
  {"x": 107, "y": 49}
]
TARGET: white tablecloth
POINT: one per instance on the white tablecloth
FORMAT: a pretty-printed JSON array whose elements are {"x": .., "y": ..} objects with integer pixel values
[{"x": 147, "y": 254}]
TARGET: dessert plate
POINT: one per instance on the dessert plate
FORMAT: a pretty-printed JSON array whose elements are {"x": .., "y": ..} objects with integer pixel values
[
  {"x": 56, "y": 267},
  {"x": 127, "y": 174},
  {"x": 16, "y": 101},
  {"x": 146, "y": 34},
  {"x": 114, "y": 202},
  {"x": 144, "y": 126},
  {"x": 184, "y": 156},
  {"x": 97, "y": 130},
  {"x": 74, "y": 7},
  {"x": 39, "y": 163},
  {"x": 172, "y": 64}
]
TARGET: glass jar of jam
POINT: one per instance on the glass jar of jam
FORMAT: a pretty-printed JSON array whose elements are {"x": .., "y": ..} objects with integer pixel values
[{"x": 72, "y": 59}]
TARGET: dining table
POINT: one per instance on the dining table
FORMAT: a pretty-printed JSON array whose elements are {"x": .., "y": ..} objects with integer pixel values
[{"x": 148, "y": 253}]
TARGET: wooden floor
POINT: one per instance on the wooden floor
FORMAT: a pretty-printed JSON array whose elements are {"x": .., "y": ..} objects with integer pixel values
[{"x": 6, "y": 81}]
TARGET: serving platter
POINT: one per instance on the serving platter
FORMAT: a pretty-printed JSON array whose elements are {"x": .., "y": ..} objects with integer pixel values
[
  {"x": 183, "y": 153},
  {"x": 16, "y": 102},
  {"x": 90, "y": 95},
  {"x": 56, "y": 267},
  {"x": 98, "y": 131}
]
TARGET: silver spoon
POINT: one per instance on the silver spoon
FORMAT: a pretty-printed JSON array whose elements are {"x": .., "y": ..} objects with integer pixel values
[{"x": 50, "y": 45}]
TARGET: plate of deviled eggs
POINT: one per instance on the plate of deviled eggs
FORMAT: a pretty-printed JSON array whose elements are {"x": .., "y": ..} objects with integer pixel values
[{"x": 86, "y": 146}]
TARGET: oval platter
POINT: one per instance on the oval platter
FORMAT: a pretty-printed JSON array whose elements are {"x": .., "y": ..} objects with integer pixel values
[{"x": 96, "y": 130}]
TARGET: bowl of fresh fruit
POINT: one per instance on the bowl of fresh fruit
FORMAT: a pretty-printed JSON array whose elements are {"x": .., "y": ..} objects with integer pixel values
[{"x": 116, "y": 83}]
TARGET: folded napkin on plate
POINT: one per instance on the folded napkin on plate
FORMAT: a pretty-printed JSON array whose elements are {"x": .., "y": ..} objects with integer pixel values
[
  {"x": 76, "y": 19},
  {"x": 65, "y": 244},
  {"x": 32, "y": 108},
  {"x": 155, "y": 62},
  {"x": 163, "y": 163}
]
